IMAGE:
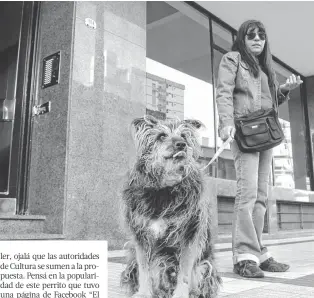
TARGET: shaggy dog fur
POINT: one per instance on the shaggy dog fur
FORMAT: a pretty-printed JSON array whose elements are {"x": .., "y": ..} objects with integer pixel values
[{"x": 171, "y": 254}]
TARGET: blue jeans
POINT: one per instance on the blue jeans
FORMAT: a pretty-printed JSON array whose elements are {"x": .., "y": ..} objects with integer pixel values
[{"x": 252, "y": 171}]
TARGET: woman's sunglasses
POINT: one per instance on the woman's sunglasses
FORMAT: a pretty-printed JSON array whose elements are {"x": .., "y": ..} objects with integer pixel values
[{"x": 252, "y": 35}]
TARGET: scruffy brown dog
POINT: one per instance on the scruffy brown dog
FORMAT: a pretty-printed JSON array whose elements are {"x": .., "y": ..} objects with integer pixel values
[{"x": 171, "y": 254}]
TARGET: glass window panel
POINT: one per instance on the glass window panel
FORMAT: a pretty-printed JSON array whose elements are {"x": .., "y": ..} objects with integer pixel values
[
  {"x": 281, "y": 72},
  {"x": 222, "y": 37},
  {"x": 178, "y": 66},
  {"x": 289, "y": 165},
  {"x": 225, "y": 164}
]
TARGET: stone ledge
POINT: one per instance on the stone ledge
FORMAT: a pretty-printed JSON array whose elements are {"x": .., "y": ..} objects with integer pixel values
[
  {"x": 21, "y": 224},
  {"x": 225, "y": 238},
  {"x": 39, "y": 236},
  {"x": 22, "y": 217},
  {"x": 226, "y": 246}
]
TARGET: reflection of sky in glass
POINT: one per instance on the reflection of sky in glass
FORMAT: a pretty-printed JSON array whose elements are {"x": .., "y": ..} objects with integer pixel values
[{"x": 198, "y": 95}]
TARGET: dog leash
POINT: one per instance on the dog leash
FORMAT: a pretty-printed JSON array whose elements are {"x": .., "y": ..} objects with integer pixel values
[{"x": 219, "y": 151}]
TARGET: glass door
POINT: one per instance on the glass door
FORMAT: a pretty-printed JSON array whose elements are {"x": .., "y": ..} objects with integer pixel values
[{"x": 18, "y": 48}]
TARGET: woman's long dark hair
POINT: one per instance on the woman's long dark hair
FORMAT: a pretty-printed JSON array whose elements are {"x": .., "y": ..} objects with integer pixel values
[{"x": 265, "y": 58}]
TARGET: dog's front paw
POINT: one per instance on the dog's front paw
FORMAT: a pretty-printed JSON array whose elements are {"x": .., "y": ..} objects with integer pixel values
[{"x": 182, "y": 291}]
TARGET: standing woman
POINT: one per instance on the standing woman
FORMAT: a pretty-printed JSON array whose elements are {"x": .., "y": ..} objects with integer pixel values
[{"x": 246, "y": 83}]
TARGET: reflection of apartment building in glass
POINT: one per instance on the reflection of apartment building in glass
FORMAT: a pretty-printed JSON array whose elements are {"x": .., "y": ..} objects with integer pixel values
[
  {"x": 283, "y": 162},
  {"x": 164, "y": 98}
]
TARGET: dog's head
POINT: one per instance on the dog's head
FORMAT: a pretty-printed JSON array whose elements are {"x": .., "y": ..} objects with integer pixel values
[{"x": 166, "y": 150}]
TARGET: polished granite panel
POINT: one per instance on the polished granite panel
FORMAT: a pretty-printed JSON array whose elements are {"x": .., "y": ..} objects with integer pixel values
[
  {"x": 99, "y": 158},
  {"x": 124, "y": 29},
  {"x": 84, "y": 54},
  {"x": 47, "y": 195},
  {"x": 102, "y": 128},
  {"x": 49, "y": 135},
  {"x": 111, "y": 22},
  {"x": 87, "y": 9},
  {"x": 132, "y": 12},
  {"x": 124, "y": 68},
  {"x": 94, "y": 199},
  {"x": 104, "y": 59},
  {"x": 108, "y": 92}
]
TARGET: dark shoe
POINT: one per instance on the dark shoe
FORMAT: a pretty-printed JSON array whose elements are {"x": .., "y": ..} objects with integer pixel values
[
  {"x": 248, "y": 269},
  {"x": 271, "y": 265}
]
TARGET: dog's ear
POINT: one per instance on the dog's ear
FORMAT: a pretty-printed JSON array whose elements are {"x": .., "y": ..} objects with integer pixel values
[
  {"x": 195, "y": 123},
  {"x": 147, "y": 120}
]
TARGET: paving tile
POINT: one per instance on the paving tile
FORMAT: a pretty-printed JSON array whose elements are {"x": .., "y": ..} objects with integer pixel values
[
  {"x": 275, "y": 291},
  {"x": 263, "y": 293},
  {"x": 239, "y": 285},
  {"x": 307, "y": 281},
  {"x": 298, "y": 282},
  {"x": 288, "y": 274},
  {"x": 266, "y": 279},
  {"x": 223, "y": 294},
  {"x": 228, "y": 279},
  {"x": 290, "y": 290}
]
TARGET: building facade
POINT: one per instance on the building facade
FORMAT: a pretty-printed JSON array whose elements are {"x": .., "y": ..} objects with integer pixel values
[{"x": 73, "y": 76}]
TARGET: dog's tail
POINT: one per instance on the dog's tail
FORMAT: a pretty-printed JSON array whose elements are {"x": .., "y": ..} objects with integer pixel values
[{"x": 129, "y": 277}]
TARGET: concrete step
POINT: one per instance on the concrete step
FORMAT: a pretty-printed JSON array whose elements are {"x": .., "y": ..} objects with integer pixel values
[
  {"x": 227, "y": 238},
  {"x": 21, "y": 224},
  {"x": 227, "y": 246},
  {"x": 7, "y": 206},
  {"x": 224, "y": 241}
]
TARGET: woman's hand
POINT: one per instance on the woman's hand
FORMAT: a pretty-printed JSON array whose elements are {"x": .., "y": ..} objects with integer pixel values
[
  {"x": 291, "y": 83},
  {"x": 227, "y": 132}
]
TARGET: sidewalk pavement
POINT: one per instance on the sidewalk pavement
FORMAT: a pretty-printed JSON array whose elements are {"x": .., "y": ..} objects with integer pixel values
[{"x": 297, "y": 282}]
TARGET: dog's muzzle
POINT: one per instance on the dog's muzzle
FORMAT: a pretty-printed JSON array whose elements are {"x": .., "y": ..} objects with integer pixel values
[{"x": 177, "y": 156}]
